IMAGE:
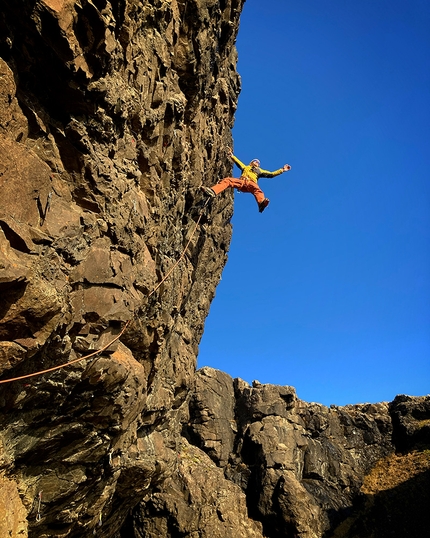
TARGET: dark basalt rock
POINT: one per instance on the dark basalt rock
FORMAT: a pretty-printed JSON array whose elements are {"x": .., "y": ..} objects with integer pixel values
[
  {"x": 112, "y": 114},
  {"x": 308, "y": 470}
]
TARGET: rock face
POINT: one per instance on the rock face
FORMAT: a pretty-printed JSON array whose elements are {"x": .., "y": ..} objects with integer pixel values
[
  {"x": 312, "y": 471},
  {"x": 112, "y": 114}
]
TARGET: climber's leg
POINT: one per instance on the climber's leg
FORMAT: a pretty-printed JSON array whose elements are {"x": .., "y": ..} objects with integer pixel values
[
  {"x": 226, "y": 183},
  {"x": 252, "y": 187}
]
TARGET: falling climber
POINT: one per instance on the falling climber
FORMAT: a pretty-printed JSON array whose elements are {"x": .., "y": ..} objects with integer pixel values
[{"x": 248, "y": 181}]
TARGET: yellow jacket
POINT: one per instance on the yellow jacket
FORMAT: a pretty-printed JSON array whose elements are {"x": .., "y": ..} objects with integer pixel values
[{"x": 254, "y": 174}]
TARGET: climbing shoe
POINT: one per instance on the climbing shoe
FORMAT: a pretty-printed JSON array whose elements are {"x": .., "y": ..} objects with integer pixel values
[
  {"x": 262, "y": 205},
  {"x": 208, "y": 191}
]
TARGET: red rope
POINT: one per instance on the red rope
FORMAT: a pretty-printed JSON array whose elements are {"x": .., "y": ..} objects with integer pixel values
[
  {"x": 125, "y": 326},
  {"x": 183, "y": 252},
  {"x": 70, "y": 362}
]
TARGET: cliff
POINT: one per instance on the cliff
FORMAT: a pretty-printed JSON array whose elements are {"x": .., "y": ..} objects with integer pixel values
[{"x": 112, "y": 114}]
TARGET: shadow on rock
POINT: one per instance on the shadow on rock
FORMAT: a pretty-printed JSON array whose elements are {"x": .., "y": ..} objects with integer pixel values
[{"x": 393, "y": 513}]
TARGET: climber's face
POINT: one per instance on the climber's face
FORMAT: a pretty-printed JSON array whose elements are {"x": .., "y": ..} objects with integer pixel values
[{"x": 255, "y": 163}]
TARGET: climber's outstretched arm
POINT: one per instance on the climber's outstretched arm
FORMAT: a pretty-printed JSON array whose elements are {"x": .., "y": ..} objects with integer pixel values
[
  {"x": 266, "y": 173},
  {"x": 239, "y": 163}
]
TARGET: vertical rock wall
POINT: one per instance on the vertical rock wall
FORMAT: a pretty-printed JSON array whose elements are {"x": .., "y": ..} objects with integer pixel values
[
  {"x": 112, "y": 113},
  {"x": 307, "y": 471}
]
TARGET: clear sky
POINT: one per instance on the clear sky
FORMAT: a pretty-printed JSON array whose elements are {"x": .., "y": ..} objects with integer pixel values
[{"x": 329, "y": 289}]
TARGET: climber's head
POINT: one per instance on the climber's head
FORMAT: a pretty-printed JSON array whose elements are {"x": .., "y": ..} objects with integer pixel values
[{"x": 255, "y": 163}]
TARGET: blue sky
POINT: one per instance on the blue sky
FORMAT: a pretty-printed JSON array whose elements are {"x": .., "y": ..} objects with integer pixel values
[{"x": 329, "y": 289}]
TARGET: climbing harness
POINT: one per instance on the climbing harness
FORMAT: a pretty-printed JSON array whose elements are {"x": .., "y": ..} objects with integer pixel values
[{"x": 166, "y": 276}]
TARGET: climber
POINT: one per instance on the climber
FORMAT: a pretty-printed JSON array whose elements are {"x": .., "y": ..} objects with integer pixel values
[{"x": 248, "y": 180}]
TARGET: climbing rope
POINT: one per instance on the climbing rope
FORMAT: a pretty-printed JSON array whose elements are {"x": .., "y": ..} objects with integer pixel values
[
  {"x": 166, "y": 276},
  {"x": 183, "y": 252},
  {"x": 70, "y": 362}
]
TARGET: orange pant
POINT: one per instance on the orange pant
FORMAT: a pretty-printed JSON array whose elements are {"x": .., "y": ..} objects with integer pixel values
[{"x": 243, "y": 185}]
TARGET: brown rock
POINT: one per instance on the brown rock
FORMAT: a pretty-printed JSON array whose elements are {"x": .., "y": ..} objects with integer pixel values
[
  {"x": 12, "y": 120},
  {"x": 198, "y": 501},
  {"x": 411, "y": 419},
  {"x": 112, "y": 114},
  {"x": 14, "y": 265},
  {"x": 212, "y": 409},
  {"x": 301, "y": 465},
  {"x": 11, "y": 354},
  {"x": 13, "y": 521}
]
